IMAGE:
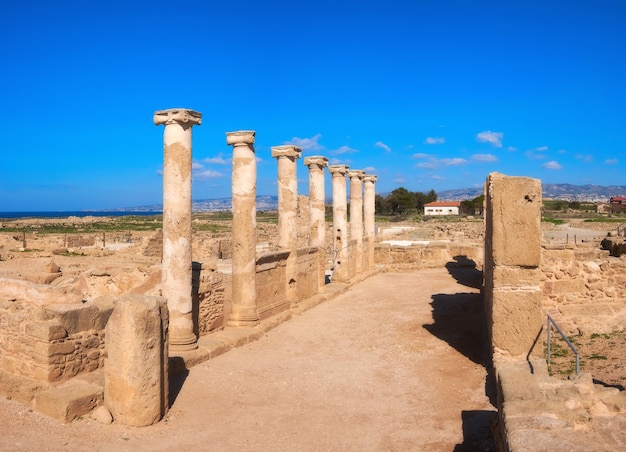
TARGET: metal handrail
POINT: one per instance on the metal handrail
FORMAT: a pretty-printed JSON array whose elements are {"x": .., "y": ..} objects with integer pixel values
[{"x": 571, "y": 346}]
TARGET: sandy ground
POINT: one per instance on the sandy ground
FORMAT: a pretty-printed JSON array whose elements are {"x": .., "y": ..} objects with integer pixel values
[{"x": 396, "y": 363}]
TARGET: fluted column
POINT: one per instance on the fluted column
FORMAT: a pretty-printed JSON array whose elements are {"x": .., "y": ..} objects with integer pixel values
[
  {"x": 288, "y": 210},
  {"x": 317, "y": 217},
  {"x": 244, "y": 307},
  {"x": 356, "y": 215},
  {"x": 340, "y": 223},
  {"x": 176, "y": 272},
  {"x": 369, "y": 215}
]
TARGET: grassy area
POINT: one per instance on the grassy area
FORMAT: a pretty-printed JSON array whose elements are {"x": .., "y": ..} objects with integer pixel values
[{"x": 600, "y": 354}]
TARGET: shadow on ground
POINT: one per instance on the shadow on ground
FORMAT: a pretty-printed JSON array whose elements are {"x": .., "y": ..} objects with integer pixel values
[{"x": 459, "y": 320}]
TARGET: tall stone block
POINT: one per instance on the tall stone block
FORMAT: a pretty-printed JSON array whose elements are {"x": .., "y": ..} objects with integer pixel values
[
  {"x": 136, "y": 367},
  {"x": 512, "y": 257}
]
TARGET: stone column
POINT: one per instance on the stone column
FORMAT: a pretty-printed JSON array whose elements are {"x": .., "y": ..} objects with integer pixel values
[
  {"x": 317, "y": 211},
  {"x": 356, "y": 215},
  {"x": 369, "y": 215},
  {"x": 512, "y": 278},
  {"x": 287, "y": 211},
  {"x": 244, "y": 307},
  {"x": 340, "y": 223},
  {"x": 176, "y": 265}
]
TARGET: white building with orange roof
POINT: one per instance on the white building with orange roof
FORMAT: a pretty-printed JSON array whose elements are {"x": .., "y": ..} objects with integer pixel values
[{"x": 442, "y": 208}]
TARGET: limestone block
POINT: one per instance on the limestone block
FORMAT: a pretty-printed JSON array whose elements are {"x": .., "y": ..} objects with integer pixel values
[
  {"x": 516, "y": 320},
  {"x": 514, "y": 219},
  {"x": 563, "y": 286},
  {"x": 515, "y": 276},
  {"x": 136, "y": 373},
  {"x": 45, "y": 331},
  {"x": 68, "y": 401}
]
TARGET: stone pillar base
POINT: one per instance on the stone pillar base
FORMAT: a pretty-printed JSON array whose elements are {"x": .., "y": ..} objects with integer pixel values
[{"x": 183, "y": 343}]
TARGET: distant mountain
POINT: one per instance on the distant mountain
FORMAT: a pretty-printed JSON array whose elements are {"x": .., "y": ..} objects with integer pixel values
[
  {"x": 263, "y": 202},
  {"x": 565, "y": 192}
]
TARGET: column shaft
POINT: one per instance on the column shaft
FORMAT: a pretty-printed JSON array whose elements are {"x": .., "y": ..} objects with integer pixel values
[
  {"x": 287, "y": 211},
  {"x": 176, "y": 267},
  {"x": 244, "y": 307},
  {"x": 369, "y": 216},
  {"x": 340, "y": 223},
  {"x": 356, "y": 215},
  {"x": 317, "y": 214}
]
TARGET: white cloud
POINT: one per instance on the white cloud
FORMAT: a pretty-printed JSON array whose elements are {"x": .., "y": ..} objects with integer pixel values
[
  {"x": 495, "y": 138},
  {"x": 307, "y": 144},
  {"x": 399, "y": 179},
  {"x": 435, "y": 140},
  {"x": 336, "y": 161},
  {"x": 552, "y": 164},
  {"x": 380, "y": 144},
  {"x": 484, "y": 157},
  {"x": 541, "y": 148},
  {"x": 562, "y": 151},
  {"x": 426, "y": 165},
  {"x": 369, "y": 169},
  {"x": 511, "y": 149},
  {"x": 343, "y": 150},
  {"x": 610, "y": 162},
  {"x": 531, "y": 155},
  {"x": 195, "y": 165},
  {"x": 453, "y": 162},
  {"x": 216, "y": 160},
  {"x": 436, "y": 177},
  {"x": 585, "y": 158},
  {"x": 207, "y": 174},
  {"x": 159, "y": 172},
  {"x": 420, "y": 155},
  {"x": 432, "y": 163}
]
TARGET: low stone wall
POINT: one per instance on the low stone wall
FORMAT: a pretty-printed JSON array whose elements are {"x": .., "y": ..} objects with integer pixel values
[
  {"x": 271, "y": 286},
  {"x": 212, "y": 298},
  {"x": 52, "y": 343},
  {"x": 308, "y": 272},
  {"x": 586, "y": 286},
  {"x": 431, "y": 255}
]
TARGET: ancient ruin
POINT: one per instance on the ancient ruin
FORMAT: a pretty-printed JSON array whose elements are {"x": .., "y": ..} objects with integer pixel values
[{"x": 109, "y": 337}]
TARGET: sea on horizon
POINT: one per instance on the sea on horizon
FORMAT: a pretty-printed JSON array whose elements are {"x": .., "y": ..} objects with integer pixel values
[{"x": 77, "y": 213}]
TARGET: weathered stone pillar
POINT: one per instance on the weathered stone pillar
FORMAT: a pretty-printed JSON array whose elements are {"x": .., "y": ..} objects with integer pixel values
[
  {"x": 317, "y": 212},
  {"x": 340, "y": 223},
  {"x": 287, "y": 211},
  {"x": 369, "y": 215},
  {"x": 356, "y": 215},
  {"x": 512, "y": 257},
  {"x": 244, "y": 307},
  {"x": 136, "y": 384},
  {"x": 176, "y": 279}
]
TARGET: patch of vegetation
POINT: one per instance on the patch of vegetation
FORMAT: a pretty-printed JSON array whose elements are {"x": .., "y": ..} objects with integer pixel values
[
  {"x": 556, "y": 221},
  {"x": 604, "y": 220}
]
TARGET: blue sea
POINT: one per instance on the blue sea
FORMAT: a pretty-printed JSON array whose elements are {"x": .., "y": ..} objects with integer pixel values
[{"x": 80, "y": 213}]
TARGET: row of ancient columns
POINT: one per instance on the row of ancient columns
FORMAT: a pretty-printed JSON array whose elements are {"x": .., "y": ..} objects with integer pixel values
[{"x": 177, "y": 264}]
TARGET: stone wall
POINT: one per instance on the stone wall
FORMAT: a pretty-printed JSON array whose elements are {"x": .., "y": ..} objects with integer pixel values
[
  {"x": 271, "y": 283},
  {"x": 211, "y": 301},
  {"x": 431, "y": 255},
  {"x": 584, "y": 288},
  {"x": 308, "y": 272},
  {"x": 52, "y": 343}
]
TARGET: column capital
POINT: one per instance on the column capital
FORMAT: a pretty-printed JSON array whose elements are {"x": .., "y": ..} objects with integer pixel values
[
  {"x": 370, "y": 178},
  {"x": 240, "y": 137},
  {"x": 338, "y": 170},
  {"x": 287, "y": 150},
  {"x": 177, "y": 115},
  {"x": 318, "y": 160},
  {"x": 356, "y": 173}
]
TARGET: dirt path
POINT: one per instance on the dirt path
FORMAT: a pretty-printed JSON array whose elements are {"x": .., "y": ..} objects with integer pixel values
[{"x": 393, "y": 364}]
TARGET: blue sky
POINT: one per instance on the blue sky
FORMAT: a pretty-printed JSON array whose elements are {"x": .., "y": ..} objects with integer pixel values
[{"x": 424, "y": 94}]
